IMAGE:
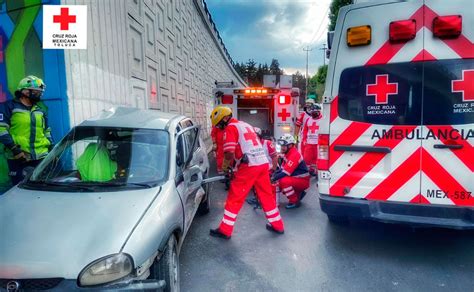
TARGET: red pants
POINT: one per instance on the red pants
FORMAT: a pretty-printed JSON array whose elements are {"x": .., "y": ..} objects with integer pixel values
[
  {"x": 292, "y": 187},
  {"x": 245, "y": 178},
  {"x": 310, "y": 156}
]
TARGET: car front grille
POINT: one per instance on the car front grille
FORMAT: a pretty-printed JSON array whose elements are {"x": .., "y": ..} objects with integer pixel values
[{"x": 31, "y": 284}]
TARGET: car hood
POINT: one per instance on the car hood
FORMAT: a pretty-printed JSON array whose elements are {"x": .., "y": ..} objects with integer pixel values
[{"x": 53, "y": 234}]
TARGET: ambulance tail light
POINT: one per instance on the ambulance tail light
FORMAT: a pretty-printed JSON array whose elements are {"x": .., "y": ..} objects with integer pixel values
[
  {"x": 284, "y": 99},
  {"x": 227, "y": 99},
  {"x": 449, "y": 26},
  {"x": 402, "y": 31},
  {"x": 323, "y": 152}
]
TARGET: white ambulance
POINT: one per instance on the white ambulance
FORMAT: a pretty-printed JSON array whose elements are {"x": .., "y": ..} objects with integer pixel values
[
  {"x": 397, "y": 139},
  {"x": 273, "y": 107}
]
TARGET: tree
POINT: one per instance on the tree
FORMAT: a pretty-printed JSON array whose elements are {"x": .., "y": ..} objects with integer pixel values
[
  {"x": 275, "y": 68},
  {"x": 334, "y": 11},
  {"x": 300, "y": 81}
]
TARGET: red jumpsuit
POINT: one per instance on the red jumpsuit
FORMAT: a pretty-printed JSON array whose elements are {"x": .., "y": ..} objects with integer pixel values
[
  {"x": 240, "y": 139},
  {"x": 297, "y": 179},
  {"x": 271, "y": 153},
  {"x": 301, "y": 121},
  {"x": 310, "y": 139},
  {"x": 217, "y": 136}
]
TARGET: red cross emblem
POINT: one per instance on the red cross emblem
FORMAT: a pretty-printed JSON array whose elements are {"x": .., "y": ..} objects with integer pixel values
[
  {"x": 283, "y": 115},
  {"x": 250, "y": 135},
  {"x": 64, "y": 18},
  {"x": 465, "y": 85},
  {"x": 382, "y": 89},
  {"x": 313, "y": 128}
]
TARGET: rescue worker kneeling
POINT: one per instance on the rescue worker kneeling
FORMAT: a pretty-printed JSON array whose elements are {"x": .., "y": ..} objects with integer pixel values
[
  {"x": 293, "y": 176},
  {"x": 242, "y": 144}
]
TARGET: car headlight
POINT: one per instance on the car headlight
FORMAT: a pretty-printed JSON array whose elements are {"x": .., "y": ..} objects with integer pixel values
[{"x": 106, "y": 270}]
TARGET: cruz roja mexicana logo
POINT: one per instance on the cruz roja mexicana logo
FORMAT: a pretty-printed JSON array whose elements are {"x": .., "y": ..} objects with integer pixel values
[{"x": 64, "y": 27}]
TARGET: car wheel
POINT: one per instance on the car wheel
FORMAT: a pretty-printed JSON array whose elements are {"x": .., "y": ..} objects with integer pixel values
[
  {"x": 205, "y": 205},
  {"x": 339, "y": 220},
  {"x": 167, "y": 268}
]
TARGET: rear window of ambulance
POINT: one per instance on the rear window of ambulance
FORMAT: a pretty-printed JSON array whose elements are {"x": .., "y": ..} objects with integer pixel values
[{"x": 394, "y": 94}]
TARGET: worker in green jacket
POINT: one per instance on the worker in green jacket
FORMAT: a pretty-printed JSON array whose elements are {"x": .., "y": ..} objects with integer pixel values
[{"x": 24, "y": 129}]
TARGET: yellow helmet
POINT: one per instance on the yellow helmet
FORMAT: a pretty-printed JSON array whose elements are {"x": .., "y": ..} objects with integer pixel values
[{"x": 219, "y": 113}]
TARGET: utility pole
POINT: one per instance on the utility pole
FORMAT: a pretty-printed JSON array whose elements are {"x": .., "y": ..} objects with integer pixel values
[
  {"x": 307, "y": 50},
  {"x": 324, "y": 53}
]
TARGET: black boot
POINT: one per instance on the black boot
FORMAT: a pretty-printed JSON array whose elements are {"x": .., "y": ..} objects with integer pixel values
[
  {"x": 270, "y": 228},
  {"x": 217, "y": 233}
]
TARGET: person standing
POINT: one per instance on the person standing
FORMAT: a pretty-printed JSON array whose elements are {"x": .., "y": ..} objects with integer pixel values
[
  {"x": 301, "y": 121},
  {"x": 217, "y": 136},
  {"x": 310, "y": 138},
  {"x": 24, "y": 129},
  {"x": 242, "y": 145},
  {"x": 293, "y": 177}
]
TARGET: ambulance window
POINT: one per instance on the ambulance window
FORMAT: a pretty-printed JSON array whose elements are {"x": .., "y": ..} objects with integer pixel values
[
  {"x": 386, "y": 94},
  {"x": 448, "y": 92}
]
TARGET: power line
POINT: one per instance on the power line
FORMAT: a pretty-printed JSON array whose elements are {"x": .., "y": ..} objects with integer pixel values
[{"x": 320, "y": 25}]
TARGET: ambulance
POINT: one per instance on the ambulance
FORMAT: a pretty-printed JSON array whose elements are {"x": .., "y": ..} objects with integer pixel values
[
  {"x": 273, "y": 107},
  {"x": 396, "y": 144}
]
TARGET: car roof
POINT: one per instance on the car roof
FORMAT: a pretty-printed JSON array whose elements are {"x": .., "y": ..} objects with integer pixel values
[{"x": 128, "y": 117}]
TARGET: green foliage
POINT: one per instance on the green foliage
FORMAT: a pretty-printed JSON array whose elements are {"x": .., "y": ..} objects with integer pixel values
[
  {"x": 317, "y": 82},
  {"x": 334, "y": 11},
  {"x": 252, "y": 72}
]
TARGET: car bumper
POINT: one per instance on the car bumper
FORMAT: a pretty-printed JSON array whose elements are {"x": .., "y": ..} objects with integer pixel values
[
  {"x": 71, "y": 285},
  {"x": 397, "y": 212}
]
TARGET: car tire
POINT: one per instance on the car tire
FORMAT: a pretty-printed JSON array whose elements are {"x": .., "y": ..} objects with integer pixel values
[
  {"x": 338, "y": 220},
  {"x": 205, "y": 205},
  {"x": 167, "y": 268}
]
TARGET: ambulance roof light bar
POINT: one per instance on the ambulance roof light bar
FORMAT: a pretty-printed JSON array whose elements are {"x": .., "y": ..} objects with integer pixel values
[{"x": 256, "y": 91}]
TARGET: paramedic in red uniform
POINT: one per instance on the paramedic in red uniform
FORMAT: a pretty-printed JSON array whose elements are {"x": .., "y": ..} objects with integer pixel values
[
  {"x": 272, "y": 156},
  {"x": 293, "y": 177},
  {"x": 300, "y": 121},
  {"x": 310, "y": 138},
  {"x": 242, "y": 144},
  {"x": 217, "y": 136}
]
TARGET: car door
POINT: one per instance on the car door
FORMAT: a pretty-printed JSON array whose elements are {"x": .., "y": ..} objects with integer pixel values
[
  {"x": 188, "y": 173},
  {"x": 448, "y": 106}
]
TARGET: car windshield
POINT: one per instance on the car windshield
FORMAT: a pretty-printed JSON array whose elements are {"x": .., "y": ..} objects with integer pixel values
[{"x": 90, "y": 158}]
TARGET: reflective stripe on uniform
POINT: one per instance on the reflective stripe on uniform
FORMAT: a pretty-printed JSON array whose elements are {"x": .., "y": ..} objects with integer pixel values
[
  {"x": 228, "y": 222},
  {"x": 274, "y": 219},
  {"x": 230, "y": 214},
  {"x": 272, "y": 212}
]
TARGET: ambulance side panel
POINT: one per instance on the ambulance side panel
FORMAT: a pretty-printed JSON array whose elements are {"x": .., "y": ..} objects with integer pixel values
[
  {"x": 448, "y": 109},
  {"x": 368, "y": 152}
]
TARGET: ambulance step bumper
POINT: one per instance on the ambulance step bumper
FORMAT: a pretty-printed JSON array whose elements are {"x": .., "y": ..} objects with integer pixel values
[{"x": 397, "y": 212}]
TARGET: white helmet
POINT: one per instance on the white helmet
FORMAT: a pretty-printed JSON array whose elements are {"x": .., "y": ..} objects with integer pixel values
[
  {"x": 286, "y": 140},
  {"x": 258, "y": 131},
  {"x": 309, "y": 101}
]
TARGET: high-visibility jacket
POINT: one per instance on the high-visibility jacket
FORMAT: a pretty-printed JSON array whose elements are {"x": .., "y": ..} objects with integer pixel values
[
  {"x": 25, "y": 127},
  {"x": 95, "y": 165}
]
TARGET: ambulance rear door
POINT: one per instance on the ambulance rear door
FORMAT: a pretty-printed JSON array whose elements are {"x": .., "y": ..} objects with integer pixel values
[
  {"x": 448, "y": 104},
  {"x": 375, "y": 113}
]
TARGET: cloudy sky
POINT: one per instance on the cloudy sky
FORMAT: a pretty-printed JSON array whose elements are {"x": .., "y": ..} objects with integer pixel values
[{"x": 266, "y": 29}]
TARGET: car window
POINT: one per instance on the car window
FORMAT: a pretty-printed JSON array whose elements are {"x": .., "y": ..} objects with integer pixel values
[
  {"x": 118, "y": 156},
  {"x": 447, "y": 99},
  {"x": 386, "y": 94}
]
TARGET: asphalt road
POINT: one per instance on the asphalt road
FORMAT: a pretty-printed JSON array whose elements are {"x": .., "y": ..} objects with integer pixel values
[{"x": 314, "y": 255}]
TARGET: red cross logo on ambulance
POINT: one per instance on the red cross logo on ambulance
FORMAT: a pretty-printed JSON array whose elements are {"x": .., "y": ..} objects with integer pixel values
[
  {"x": 465, "y": 85},
  {"x": 382, "y": 89}
]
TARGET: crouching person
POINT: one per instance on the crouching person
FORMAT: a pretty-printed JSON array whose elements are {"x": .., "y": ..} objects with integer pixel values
[{"x": 293, "y": 177}]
